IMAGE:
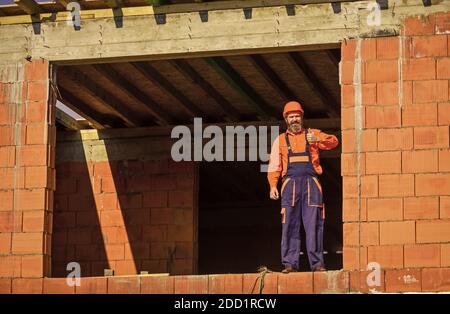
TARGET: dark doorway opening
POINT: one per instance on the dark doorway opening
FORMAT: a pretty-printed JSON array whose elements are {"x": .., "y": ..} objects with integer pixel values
[{"x": 240, "y": 227}]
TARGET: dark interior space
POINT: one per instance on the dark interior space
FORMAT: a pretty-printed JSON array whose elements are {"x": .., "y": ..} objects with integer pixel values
[{"x": 240, "y": 227}]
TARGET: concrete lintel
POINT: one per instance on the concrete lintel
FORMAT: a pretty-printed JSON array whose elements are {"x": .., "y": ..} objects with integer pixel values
[
  {"x": 157, "y": 131},
  {"x": 270, "y": 29}
]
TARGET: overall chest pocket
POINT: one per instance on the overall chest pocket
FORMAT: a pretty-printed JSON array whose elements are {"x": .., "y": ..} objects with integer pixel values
[{"x": 315, "y": 196}]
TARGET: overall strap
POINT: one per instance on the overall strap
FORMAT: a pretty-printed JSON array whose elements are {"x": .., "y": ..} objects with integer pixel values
[{"x": 289, "y": 144}]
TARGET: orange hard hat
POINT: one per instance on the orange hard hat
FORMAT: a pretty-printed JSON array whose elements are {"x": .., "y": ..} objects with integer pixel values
[{"x": 292, "y": 106}]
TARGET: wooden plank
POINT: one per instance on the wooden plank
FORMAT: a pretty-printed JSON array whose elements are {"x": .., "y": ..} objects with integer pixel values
[
  {"x": 77, "y": 105},
  {"x": 314, "y": 83},
  {"x": 156, "y": 78},
  {"x": 233, "y": 78},
  {"x": 106, "y": 98},
  {"x": 67, "y": 120},
  {"x": 29, "y": 6},
  {"x": 190, "y": 73},
  {"x": 163, "y": 118}
]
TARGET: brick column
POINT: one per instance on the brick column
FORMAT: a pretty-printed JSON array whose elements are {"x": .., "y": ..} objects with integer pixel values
[
  {"x": 396, "y": 202},
  {"x": 27, "y": 139}
]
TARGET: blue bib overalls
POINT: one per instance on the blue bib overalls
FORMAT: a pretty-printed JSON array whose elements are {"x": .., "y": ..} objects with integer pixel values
[{"x": 301, "y": 201}]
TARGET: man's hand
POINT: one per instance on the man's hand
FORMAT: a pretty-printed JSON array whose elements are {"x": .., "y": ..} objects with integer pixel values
[
  {"x": 312, "y": 138},
  {"x": 274, "y": 193}
]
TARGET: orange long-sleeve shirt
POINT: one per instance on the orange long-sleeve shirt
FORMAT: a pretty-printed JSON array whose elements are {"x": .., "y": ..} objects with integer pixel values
[{"x": 279, "y": 152}]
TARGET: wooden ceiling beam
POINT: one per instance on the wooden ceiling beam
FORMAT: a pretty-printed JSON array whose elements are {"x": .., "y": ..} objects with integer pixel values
[
  {"x": 107, "y": 99},
  {"x": 120, "y": 82},
  {"x": 333, "y": 57},
  {"x": 190, "y": 73},
  {"x": 159, "y": 80},
  {"x": 315, "y": 84},
  {"x": 235, "y": 81},
  {"x": 29, "y": 6},
  {"x": 273, "y": 78}
]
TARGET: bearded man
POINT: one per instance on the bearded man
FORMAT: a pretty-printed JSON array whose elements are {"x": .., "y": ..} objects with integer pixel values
[{"x": 295, "y": 159}]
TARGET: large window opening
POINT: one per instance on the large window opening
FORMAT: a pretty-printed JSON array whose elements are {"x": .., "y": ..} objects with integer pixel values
[{"x": 122, "y": 205}]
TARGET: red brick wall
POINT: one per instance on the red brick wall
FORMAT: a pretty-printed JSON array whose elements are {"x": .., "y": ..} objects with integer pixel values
[
  {"x": 129, "y": 216},
  {"x": 26, "y": 158},
  {"x": 402, "y": 218}
]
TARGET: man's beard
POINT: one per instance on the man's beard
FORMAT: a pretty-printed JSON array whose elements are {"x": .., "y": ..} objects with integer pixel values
[{"x": 295, "y": 127}]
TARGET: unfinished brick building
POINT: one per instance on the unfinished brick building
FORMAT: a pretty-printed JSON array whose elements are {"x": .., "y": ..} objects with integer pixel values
[{"x": 103, "y": 191}]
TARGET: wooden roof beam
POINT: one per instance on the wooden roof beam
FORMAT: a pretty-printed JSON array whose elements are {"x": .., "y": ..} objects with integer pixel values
[
  {"x": 107, "y": 99},
  {"x": 235, "y": 81},
  {"x": 157, "y": 79},
  {"x": 273, "y": 78},
  {"x": 333, "y": 57},
  {"x": 30, "y": 7},
  {"x": 315, "y": 84},
  {"x": 190, "y": 73},
  {"x": 114, "y": 4},
  {"x": 81, "y": 108},
  {"x": 126, "y": 86},
  {"x": 64, "y": 3}
]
